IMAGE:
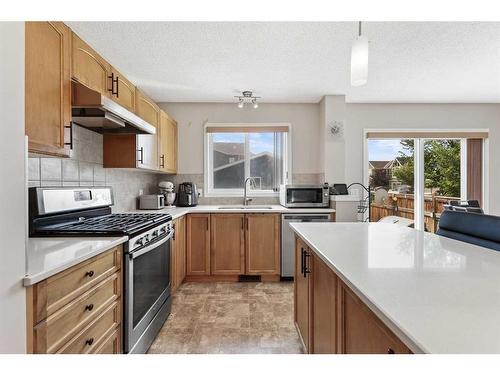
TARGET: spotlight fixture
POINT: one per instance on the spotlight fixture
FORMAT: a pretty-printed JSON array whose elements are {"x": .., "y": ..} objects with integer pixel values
[{"x": 247, "y": 97}]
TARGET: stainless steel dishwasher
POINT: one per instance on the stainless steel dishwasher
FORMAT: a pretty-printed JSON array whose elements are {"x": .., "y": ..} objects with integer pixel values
[{"x": 288, "y": 239}]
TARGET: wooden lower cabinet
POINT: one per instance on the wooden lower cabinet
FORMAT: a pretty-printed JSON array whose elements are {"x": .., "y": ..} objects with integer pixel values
[
  {"x": 330, "y": 318},
  {"x": 302, "y": 295},
  {"x": 178, "y": 253},
  {"x": 76, "y": 310},
  {"x": 227, "y": 245},
  {"x": 324, "y": 312},
  {"x": 263, "y": 244},
  {"x": 198, "y": 244},
  {"x": 362, "y": 332},
  {"x": 224, "y": 246}
]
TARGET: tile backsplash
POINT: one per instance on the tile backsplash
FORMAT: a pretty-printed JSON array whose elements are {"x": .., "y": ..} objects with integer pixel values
[{"x": 85, "y": 168}]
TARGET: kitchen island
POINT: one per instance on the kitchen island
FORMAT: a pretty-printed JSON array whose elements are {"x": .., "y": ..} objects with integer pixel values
[{"x": 433, "y": 294}]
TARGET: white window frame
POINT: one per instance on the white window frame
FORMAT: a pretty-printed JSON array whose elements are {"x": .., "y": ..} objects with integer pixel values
[
  {"x": 207, "y": 154},
  {"x": 419, "y": 167}
]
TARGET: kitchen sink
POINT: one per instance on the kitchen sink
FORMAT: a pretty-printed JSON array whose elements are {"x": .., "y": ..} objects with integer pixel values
[{"x": 255, "y": 207}]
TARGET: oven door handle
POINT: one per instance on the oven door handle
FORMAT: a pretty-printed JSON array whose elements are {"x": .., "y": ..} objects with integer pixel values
[{"x": 152, "y": 246}]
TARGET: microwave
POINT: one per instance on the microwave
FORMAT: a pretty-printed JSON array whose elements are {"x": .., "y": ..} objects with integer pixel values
[{"x": 305, "y": 196}]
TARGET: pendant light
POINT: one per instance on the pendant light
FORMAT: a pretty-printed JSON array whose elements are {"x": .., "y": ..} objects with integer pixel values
[{"x": 359, "y": 60}]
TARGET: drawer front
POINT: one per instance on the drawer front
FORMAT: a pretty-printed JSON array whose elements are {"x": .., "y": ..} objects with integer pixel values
[
  {"x": 58, "y": 328},
  {"x": 111, "y": 345},
  {"x": 60, "y": 289},
  {"x": 96, "y": 333}
]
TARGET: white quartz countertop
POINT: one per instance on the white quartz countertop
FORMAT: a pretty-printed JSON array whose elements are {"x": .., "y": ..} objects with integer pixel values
[
  {"x": 177, "y": 212},
  {"x": 49, "y": 255},
  {"x": 437, "y": 294}
]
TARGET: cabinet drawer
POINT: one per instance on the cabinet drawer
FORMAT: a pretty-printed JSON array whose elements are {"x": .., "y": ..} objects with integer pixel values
[
  {"x": 60, "y": 289},
  {"x": 96, "y": 332},
  {"x": 111, "y": 344},
  {"x": 59, "y": 327}
]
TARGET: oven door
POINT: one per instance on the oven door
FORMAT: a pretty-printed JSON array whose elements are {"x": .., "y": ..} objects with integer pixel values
[
  {"x": 305, "y": 196},
  {"x": 147, "y": 286}
]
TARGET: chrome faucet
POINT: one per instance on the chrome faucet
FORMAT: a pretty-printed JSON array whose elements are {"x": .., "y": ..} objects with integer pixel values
[{"x": 245, "y": 199}]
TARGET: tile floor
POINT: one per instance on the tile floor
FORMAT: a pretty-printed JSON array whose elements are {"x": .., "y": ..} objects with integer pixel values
[{"x": 230, "y": 318}]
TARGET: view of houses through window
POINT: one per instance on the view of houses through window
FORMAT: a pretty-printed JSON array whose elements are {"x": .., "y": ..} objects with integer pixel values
[
  {"x": 235, "y": 156},
  {"x": 391, "y": 177}
]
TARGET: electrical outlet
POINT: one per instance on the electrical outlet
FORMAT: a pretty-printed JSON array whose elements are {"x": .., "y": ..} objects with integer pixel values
[
  {"x": 141, "y": 192},
  {"x": 200, "y": 192}
]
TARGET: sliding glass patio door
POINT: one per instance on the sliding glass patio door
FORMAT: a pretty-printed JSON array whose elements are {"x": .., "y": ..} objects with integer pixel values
[{"x": 414, "y": 175}]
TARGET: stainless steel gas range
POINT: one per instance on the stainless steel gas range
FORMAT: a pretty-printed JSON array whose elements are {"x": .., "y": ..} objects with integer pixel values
[{"x": 80, "y": 211}]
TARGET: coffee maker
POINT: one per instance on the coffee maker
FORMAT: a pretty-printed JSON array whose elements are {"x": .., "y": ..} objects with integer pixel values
[{"x": 187, "y": 196}]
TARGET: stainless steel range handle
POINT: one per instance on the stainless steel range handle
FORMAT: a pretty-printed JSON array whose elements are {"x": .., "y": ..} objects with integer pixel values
[{"x": 152, "y": 246}]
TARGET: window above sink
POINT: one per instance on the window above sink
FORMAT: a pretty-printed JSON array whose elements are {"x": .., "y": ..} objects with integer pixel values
[{"x": 234, "y": 152}]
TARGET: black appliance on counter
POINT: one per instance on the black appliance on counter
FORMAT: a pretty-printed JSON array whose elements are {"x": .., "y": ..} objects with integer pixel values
[
  {"x": 86, "y": 212},
  {"x": 187, "y": 196}
]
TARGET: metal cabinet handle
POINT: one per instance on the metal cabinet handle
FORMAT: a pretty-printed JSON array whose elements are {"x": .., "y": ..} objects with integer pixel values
[
  {"x": 141, "y": 159},
  {"x": 89, "y": 273},
  {"x": 162, "y": 161},
  {"x": 113, "y": 81},
  {"x": 306, "y": 257},
  {"x": 70, "y": 127},
  {"x": 90, "y": 341},
  {"x": 302, "y": 261},
  {"x": 89, "y": 307}
]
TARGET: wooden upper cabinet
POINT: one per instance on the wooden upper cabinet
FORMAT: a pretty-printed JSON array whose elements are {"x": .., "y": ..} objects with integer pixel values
[
  {"x": 302, "y": 295},
  {"x": 324, "y": 308},
  {"x": 263, "y": 244},
  {"x": 361, "y": 331},
  {"x": 89, "y": 68},
  {"x": 227, "y": 244},
  {"x": 198, "y": 244},
  {"x": 168, "y": 143},
  {"x": 48, "y": 87},
  {"x": 146, "y": 108},
  {"x": 123, "y": 91}
]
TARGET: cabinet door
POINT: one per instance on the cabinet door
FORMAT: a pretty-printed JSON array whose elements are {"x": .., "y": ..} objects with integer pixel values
[
  {"x": 89, "y": 68},
  {"x": 302, "y": 306},
  {"x": 123, "y": 91},
  {"x": 227, "y": 244},
  {"x": 198, "y": 244},
  {"x": 178, "y": 251},
  {"x": 262, "y": 244},
  {"x": 362, "y": 332},
  {"x": 48, "y": 87},
  {"x": 147, "y": 151},
  {"x": 324, "y": 287},
  {"x": 146, "y": 108},
  {"x": 168, "y": 143}
]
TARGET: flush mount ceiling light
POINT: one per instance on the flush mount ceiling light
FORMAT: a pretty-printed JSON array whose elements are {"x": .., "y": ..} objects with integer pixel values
[
  {"x": 247, "y": 97},
  {"x": 359, "y": 60}
]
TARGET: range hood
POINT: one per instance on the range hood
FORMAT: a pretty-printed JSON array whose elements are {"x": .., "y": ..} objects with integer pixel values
[{"x": 96, "y": 112}]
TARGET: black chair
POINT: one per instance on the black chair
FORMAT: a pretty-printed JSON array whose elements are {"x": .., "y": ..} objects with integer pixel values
[{"x": 474, "y": 228}]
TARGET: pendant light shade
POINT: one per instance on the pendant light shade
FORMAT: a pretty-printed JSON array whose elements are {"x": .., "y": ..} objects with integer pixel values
[{"x": 359, "y": 60}]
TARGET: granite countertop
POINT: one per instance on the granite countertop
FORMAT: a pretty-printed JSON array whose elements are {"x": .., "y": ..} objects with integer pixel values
[
  {"x": 49, "y": 255},
  {"x": 437, "y": 294}
]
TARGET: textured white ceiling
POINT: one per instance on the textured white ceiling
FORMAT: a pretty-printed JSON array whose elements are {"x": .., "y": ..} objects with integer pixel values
[{"x": 302, "y": 61}]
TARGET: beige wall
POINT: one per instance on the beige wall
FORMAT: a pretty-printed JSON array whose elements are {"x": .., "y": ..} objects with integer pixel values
[
  {"x": 12, "y": 192},
  {"x": 422, "y": 116},
  {"x": 304, "y": 118}
]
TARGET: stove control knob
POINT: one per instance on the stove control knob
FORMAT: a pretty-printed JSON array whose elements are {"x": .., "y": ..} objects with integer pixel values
[
  {"x": 154, "y": 234},
  {"x": 139, "y": 242}
]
